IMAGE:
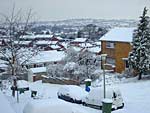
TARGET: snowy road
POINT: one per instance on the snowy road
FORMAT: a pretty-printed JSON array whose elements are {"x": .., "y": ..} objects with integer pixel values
[{"x": 136, "y": 97}]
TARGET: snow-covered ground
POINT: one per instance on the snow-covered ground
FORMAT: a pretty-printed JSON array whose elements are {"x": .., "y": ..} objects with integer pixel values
[
  {"x": 136, "y": 97},
  {"x": 135, "y": 94},
  {"x": 5, "y": 105}
]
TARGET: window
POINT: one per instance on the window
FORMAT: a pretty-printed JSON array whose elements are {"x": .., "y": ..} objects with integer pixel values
[
  {"x": 110, "y": 45},
  {"x": 110, "y": 61},
  {"x": 126, "y": 64},
  {"x": 27, "y": 66}
]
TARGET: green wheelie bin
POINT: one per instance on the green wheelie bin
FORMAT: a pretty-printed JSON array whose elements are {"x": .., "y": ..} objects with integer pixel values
[{"x": 106, "y": 105}]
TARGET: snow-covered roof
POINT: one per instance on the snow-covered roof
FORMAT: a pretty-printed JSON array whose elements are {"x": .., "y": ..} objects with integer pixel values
[
  {"x": 77, "y": 48},
  {"x": 28, "y": 37},
  {"x": 64, "y": 44},
  {"x": 119, "y": 34},
  {"x": 3, "y": 66},
  {"x": 59, "y": 38},
  {"x": 85, "y": 45},
  {"x": 55, "y": 46},
  {"x": 80, "y": 40},
  {"x": 98, "y": 43},
  {"x": 38, "y": 69},
  {"x": 36, "y": 36},
  {"x": 43, "y": 42},
  {"x": 22, "y": 42},
  {"x": 46, "y": 42},
  {"x": 96, "y": 49},
  {"x": 53, "y": 42},
  {"x": 44, "y": 36},
  {"x": 2, "y": 61},
  {"x": 47, "y": 56}
]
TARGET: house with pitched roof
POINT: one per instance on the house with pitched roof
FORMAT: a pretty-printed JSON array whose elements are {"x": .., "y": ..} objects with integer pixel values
[{"x": 117, "y": 45}]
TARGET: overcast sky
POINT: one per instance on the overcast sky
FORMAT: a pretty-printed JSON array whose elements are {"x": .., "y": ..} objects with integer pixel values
[{"x": 71, "y": 9}]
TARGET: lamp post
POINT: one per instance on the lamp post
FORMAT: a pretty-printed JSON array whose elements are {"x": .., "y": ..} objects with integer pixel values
[{"x": 103, "y": 59}]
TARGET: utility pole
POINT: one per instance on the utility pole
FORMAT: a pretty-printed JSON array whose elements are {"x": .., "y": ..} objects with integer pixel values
[{"x": 103, "y": 60}]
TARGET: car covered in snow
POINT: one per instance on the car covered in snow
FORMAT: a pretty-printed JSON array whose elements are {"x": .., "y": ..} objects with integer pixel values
[
  {"x": 51, "y": 106},
  {"x": 96, "y": 95},
  {"x": 71, "y": 93}
]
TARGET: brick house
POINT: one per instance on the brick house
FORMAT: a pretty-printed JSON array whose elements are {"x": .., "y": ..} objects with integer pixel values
[{"x": 117, "y": 45}]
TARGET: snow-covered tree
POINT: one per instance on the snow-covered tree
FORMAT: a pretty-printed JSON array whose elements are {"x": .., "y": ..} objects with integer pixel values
[
  {"x": 55, "y": 70},
  {"x": 70, "y": 68},
  {"x": 16, "y": 26},
  {"x": 139, "y": 57},
  {"x": 77, "y": 65},
  {"x": 71, "y": 55},
  {"x": 87, "y": 61}
]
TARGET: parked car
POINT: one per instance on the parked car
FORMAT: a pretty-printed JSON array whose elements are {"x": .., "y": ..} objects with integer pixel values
[
  {"x": 71, "y": 93},
  {"x": 96, "y": 95}
]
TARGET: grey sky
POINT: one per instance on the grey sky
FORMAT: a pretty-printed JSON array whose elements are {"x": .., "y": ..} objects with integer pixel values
[{"x": 68, "y": 9}]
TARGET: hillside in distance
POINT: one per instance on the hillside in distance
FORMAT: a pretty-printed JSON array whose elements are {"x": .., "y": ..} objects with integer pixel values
[{"x": 98, "y": 22}]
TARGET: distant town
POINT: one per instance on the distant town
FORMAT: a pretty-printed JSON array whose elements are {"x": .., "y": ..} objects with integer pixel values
[{"x": 74, "y": 66}]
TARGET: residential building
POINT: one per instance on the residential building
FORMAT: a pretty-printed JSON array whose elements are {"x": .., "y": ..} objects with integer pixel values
[
  {"x": 117, "y": 45},
  {"x": 44, "y": 58}
]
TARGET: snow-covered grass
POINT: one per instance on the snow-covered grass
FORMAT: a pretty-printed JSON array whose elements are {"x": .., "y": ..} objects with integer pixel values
[{"x": 135, "y": 95}]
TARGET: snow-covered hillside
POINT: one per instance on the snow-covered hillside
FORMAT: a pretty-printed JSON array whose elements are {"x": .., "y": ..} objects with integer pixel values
[
  {"x": 135, "y": 94},
  {"x": 98, "y": 22}
]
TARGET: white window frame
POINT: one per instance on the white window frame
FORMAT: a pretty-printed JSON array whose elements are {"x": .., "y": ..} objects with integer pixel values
[
  {"x": 110, "y": 60},
  {"x": 110, "y": 45}
]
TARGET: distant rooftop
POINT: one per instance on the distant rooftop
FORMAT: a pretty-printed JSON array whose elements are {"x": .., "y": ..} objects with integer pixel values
[
  {"x": 36, "y": 36},
  {"x": 47, "y": 56},
  {"x": 119, "y": 34},
  {"x": 38, "y": 69},
  {"x": 80, "y": 40}
]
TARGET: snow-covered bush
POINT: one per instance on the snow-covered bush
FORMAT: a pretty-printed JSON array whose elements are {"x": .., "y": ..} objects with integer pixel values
[{"x": 55, "y": 70}]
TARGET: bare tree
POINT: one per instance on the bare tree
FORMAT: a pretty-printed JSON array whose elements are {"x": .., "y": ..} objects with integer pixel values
[{"x": 15, "y": 27}]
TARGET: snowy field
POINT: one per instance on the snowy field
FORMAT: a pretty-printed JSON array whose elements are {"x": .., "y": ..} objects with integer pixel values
[{"x": 135, "y": 94}]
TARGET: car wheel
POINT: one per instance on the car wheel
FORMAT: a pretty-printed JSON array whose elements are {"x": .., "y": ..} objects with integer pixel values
[
  {"x": 72, "y": 100},
  {"x": 100, "y": 107},
  {"x": 84, "y": 104},
  {"x": 121, "y": 106}
]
